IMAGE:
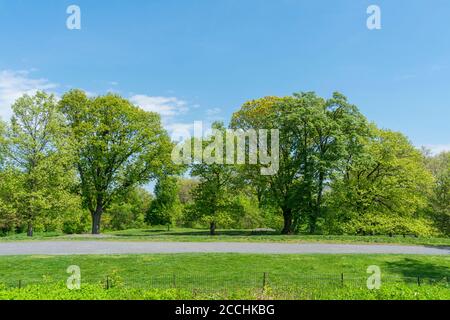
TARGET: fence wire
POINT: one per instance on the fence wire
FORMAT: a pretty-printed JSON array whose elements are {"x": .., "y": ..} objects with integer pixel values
[{"x": 219, "y": 282}]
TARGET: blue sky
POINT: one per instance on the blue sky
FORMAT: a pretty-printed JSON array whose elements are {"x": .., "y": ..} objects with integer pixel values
[{"x": 202, "y": 59}]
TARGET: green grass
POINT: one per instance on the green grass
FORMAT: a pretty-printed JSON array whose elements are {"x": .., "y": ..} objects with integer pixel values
[
  {"x": 137, "y": 269},
  {"x": 202, "y": 235},
  {"x": 225, "y": 276}
]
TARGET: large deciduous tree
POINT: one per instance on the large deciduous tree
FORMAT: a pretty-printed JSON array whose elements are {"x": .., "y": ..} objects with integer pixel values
[
  {"x": 384, "y": 189},
  {"x": 213, "y": 197},
  {"x": 41, "y": 156},
  {"x": 272, "y": 113},
  {"x": 439, "y": 165},
  {"x": 316, "y": 135},
  {"x": 165, "y": 208},
  {"x": 118, "y": 146}
]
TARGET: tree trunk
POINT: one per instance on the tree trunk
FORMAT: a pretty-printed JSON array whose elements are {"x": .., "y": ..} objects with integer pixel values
[
  {"x": 317, "y": 209},
  {"x": 312, "y": 224},
  {"x": 212, "y": 229},
  {"x": 287, "y": 216},
  {"x": 30, "y": 229},
  {"x": 96, "y": 219}
]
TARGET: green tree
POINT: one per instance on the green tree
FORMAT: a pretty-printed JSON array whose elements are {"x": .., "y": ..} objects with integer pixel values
[
  {"x": 185, "y": 189},
  {"x": 271, "y": 113},
  {"x": 214, "y": 195},
  {"x": 316, "y": 135},
  {"x": 165, "y": 208},
  {"x": 42, "y": 155},
  {"x": 384, "y": 189},
  {"x": 129, "y": 211},
  {"x": 118, "y": 146},
  {"x": 3, "y": 144},
  {"x": 439, "y": 166},
  {"x": 9, "y": 219}
]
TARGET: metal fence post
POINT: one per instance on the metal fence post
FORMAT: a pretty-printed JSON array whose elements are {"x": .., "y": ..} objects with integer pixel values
[
  {"x": 418, "y": 281},
  {"x": 20, "y": 284},
  {"x": 264, "y": 282},
  {"x": 107, "y": 282},
  {"x": 342, "y": 279}
]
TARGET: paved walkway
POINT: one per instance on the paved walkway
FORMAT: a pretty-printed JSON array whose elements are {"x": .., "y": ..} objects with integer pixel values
[{"x": 112, "y": 247}]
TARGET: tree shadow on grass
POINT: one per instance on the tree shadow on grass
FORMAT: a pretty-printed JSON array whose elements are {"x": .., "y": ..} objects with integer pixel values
[
  {"x": 410, "y": 267},
  {"x": 233, "y": 233},
  {"x": 200, "y": 233}
]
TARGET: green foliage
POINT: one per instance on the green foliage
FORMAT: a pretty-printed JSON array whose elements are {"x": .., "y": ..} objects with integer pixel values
[
  {"x": 128, "y": 211},
  {"x": 185, "y": 189},
  {"x": 40, "y": 155},
  {"x": 3, "y": 144},
  {"x": 118, "y": 146},
  {"x": 316, "y": 135},
  {"x": 439, "y": 166},
  {"x": 89, "y": 292},
  {"x": 64, "y": 164},
  {"x": 166, "y": 208},
  {"x": 98, "y": 292},
  {"x": 249, "y": 215},
  {"x": 77, "y": 220},
  {"x": 214, "y": 196},
  {"x": 382, "y": 190},
  {"x": 9, "y": 218}
]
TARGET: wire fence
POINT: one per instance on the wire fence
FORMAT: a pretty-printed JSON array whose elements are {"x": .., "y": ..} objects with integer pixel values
[{"x": 219, "y": 282}]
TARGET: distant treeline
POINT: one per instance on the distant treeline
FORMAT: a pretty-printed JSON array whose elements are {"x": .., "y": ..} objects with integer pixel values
[{"x": 79, "y": 163}]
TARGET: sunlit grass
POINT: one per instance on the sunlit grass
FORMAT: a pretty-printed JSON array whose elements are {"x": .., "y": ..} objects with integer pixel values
[{"x": 202, "y": 235}]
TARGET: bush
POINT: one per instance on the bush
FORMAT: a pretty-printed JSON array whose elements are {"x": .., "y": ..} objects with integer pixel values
[
  {"x": 378, "y": 224},
  {"x": 128, "y": 211}
]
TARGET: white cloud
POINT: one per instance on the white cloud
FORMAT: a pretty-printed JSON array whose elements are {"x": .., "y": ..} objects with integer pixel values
[
  {"x": 180, "y": 131},
  {"x": 213, "y": 112},
  {"x": 14, "y": 84},
  {"x": 437, "y": 148},
  {"x": 165, "y": 106},
  {"x": 178, "y": 126}
]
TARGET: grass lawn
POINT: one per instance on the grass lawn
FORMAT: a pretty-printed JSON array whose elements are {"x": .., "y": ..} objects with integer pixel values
[
  {"x": 191, "y": 275},
  {"x": 202, "y": 235},
  {"x": 135, "y": 270}
]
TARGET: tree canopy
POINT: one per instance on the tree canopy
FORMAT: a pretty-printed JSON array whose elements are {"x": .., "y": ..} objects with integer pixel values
[
  {"x": 118, "y": 146},
  {"x": 316, "y": 135},
  {"x": 65, "y": 162}
]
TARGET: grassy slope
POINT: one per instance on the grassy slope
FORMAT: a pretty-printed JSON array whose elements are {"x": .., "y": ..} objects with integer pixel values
[{"x": 193, "y": 235}]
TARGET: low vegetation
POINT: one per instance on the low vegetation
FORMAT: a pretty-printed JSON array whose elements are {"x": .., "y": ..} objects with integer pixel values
[{"x": 98, "y": 292}]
